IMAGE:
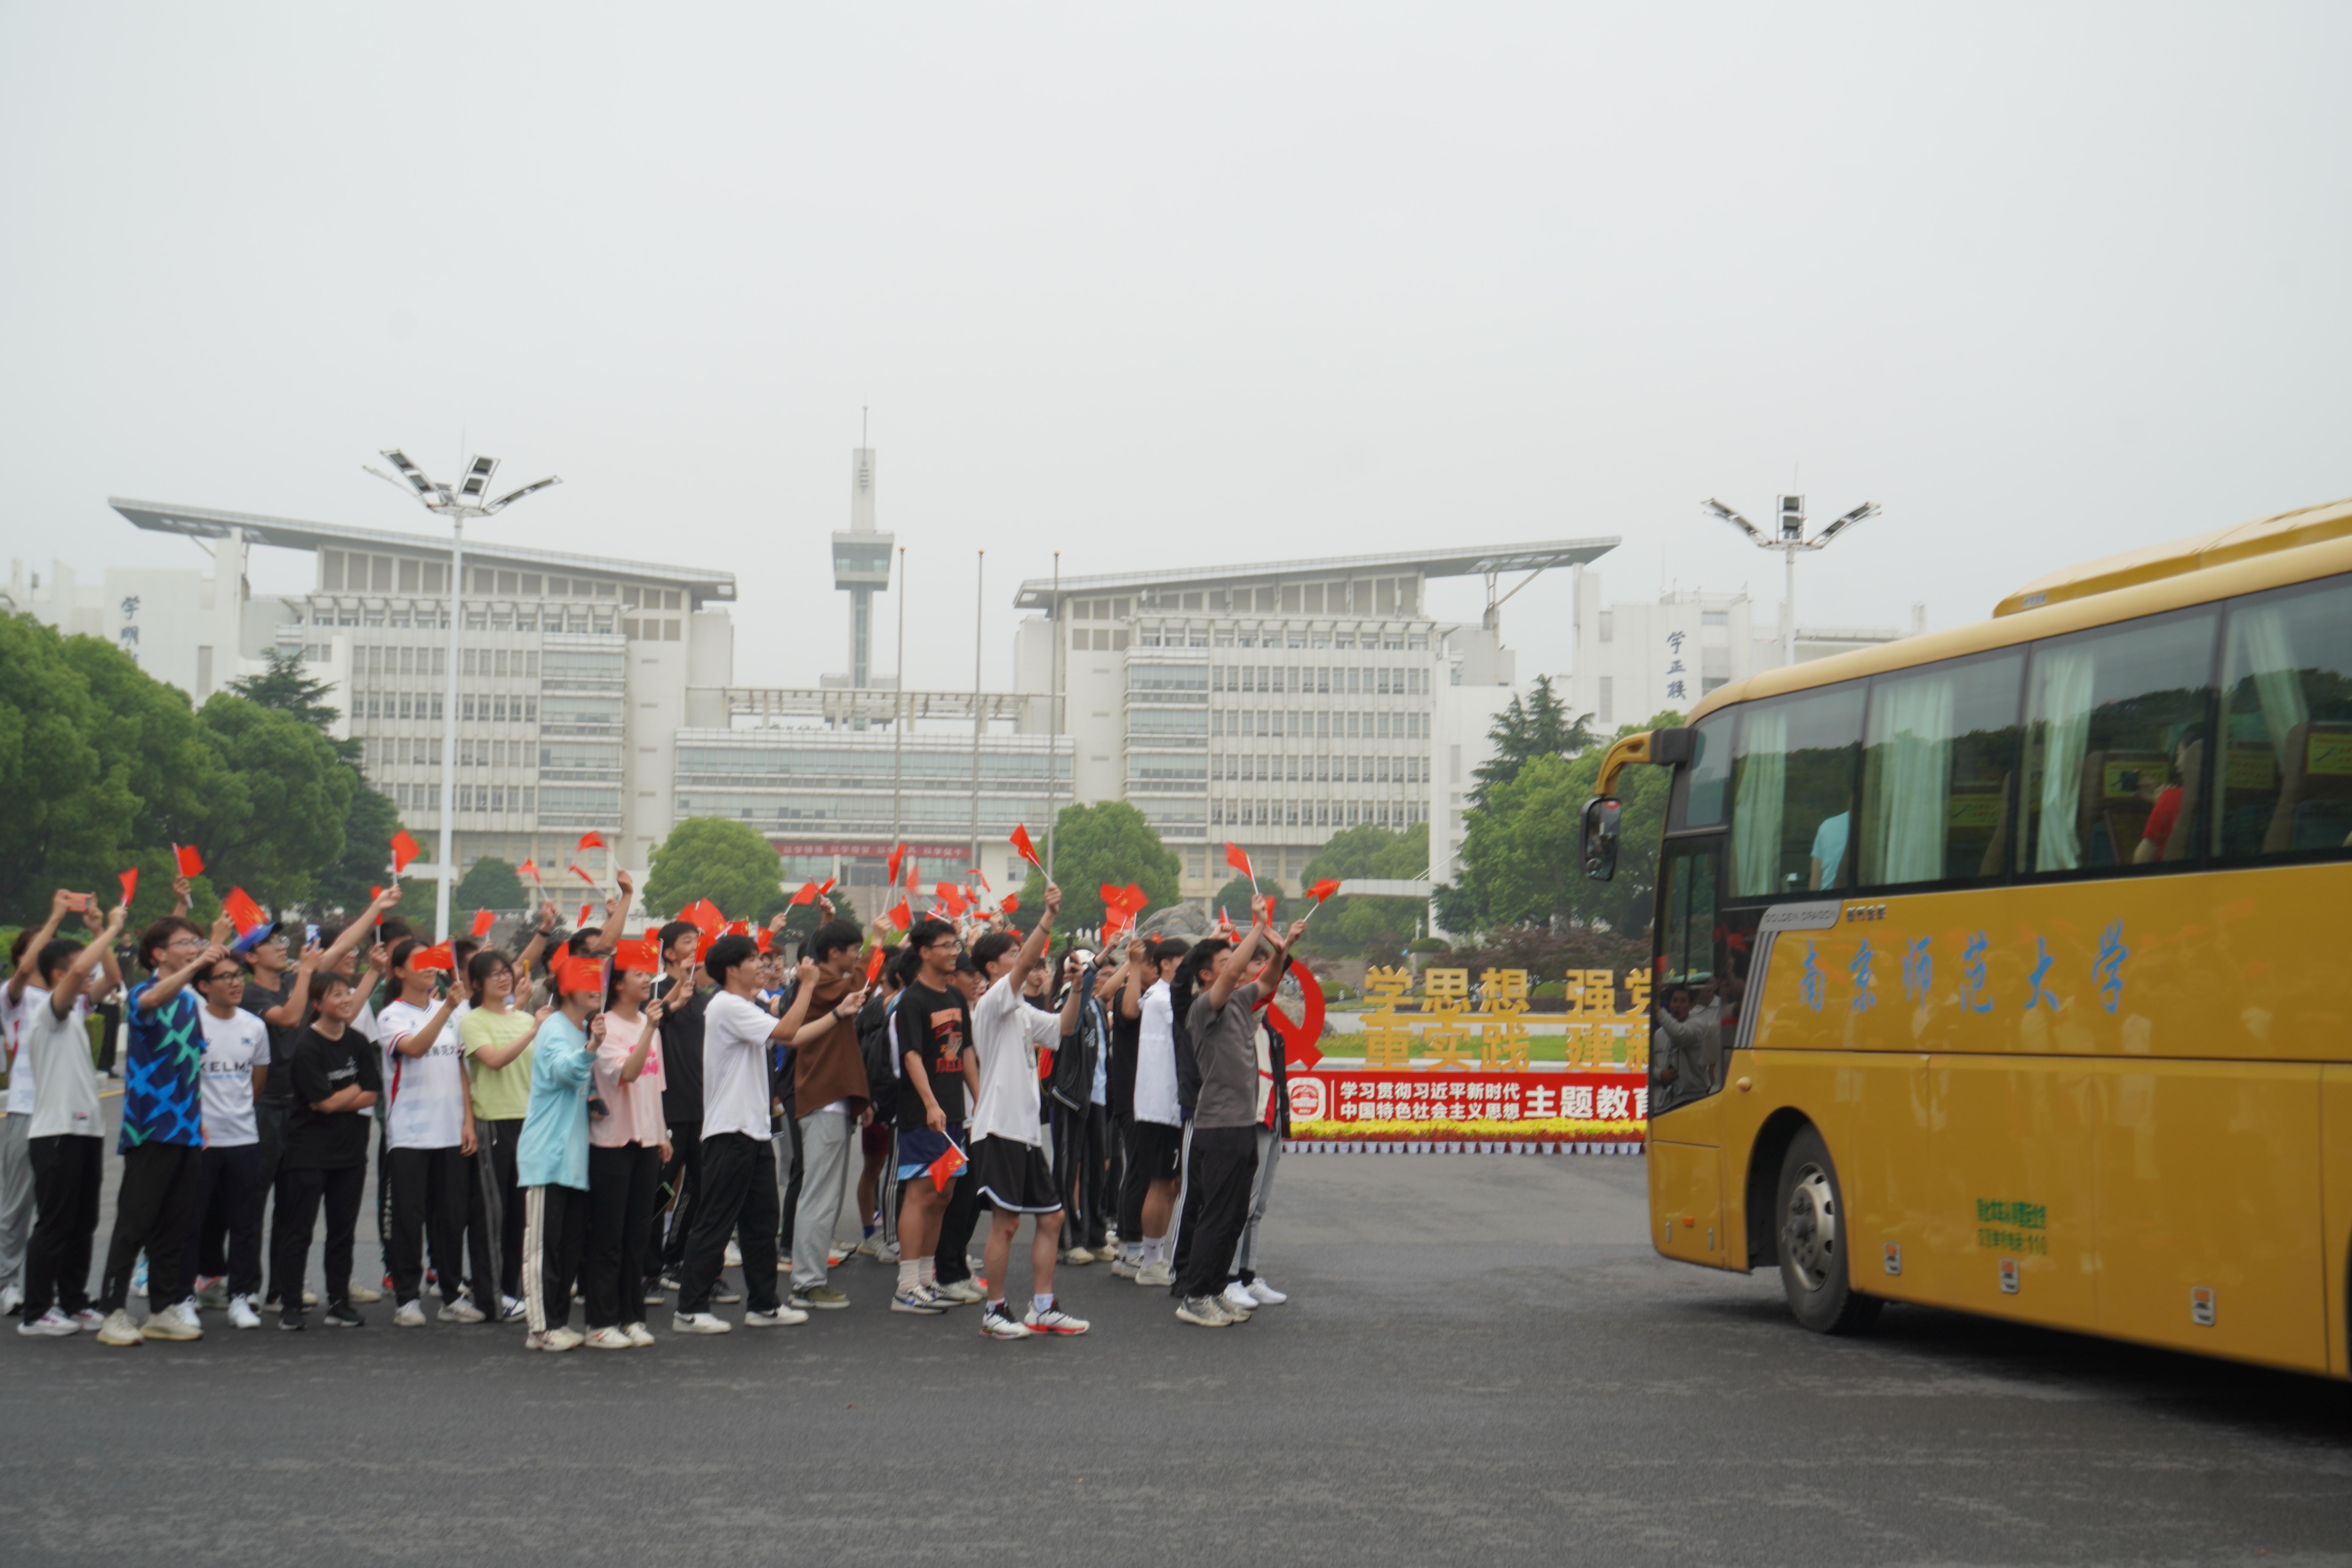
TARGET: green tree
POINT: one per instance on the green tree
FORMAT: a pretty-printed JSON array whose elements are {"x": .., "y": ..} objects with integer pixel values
[
  {"x": 491, "y": 884},
  {"x": 1233, "y": 897},
  {"x": 716, "y": 858},
  {"x": 1539, "y": 727},
  {"x": 284, "y": 687},
  {"x": 1522, "y": 854},
  {"x": 280, "y": 802},
  {"x": 1355, "y": 923},
  {"x": 149, "y": 730},
  {"x": 1093, "y": 845},
  {"x": 69, "y": 806},
  {"x": 802, "y": 919},
  {"x": 365, "y": 858}
]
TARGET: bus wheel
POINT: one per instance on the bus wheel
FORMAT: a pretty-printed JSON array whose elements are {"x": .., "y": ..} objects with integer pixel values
[{"x": 1812, "y": 1243}]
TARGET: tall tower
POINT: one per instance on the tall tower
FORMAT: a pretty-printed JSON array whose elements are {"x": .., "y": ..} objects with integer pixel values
[{"x": 861, "y": 564}]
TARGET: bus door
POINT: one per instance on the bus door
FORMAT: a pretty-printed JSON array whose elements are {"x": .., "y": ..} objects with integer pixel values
[{"x": 1688, "y": 1053}]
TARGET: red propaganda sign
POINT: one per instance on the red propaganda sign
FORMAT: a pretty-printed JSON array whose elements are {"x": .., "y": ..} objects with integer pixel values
[{"x": 1353, "y": 1104}]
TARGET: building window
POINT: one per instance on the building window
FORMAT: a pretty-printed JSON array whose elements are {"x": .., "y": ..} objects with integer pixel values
[
  {"x": 1607, "y": 626},
  {"x": 1715, "y": 617},
  {"x": 1608, "y": 703}
]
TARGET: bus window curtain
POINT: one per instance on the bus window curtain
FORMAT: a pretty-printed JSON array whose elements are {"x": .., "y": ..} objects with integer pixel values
[
  {"x": 1756, "y": 810},
  {"x": 2267, "y": 653},
  {"x": 1909, "y": 781},
  {"x": 2060, "y": 721}
]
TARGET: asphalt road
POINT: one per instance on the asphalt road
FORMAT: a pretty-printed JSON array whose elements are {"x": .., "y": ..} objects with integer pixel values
[{"x": 1483, "y": 1361}]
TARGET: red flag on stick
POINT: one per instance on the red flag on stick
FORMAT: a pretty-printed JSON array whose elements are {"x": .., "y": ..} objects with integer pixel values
[
  {"x": 943, "y": 1169},
  {"x": 705, "y": 917},
  {"x": 1024, "y": 849},
  {"x": 639, "y": 956},
  {"x": 403, "y": 850},
  {"x": 897, "y": 853},
  {"x": 949, "y": 897},
  {"x": 592, "y": 839},
  {"x": 587, "y": 913},
  {"x": 528, "y": 869},
  {"x": 483, "y": 920},
  {"x": 766, "y": 940},
  {"x": 824, "y": 888},
  {"x": 1012, "y": 902},
  {"x": 874, "y": 962},
  {"x": 1321, "y": 891},
  {"x": 806, "y": 895},
  {"x": 130, "y": 885},
  {"x": 437, "y": 956},
  {"x": 575, "y": 870},
  {"x": 242, "y": 911},
  {"x": 1240, "y": 861},
  {"x": 579, "y": 974},
  {"x": 902, "y": 916},
  {"x": 190, "y": 863}
]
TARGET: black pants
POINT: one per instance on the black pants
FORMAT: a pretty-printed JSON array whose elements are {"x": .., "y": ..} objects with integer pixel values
[
  {"x": 1135, "y": 1185},
  {"x": 150, "y": 1215},
  {"x": 269, "y": 1121},
  {"x": 1216, "y": 1206},
  {"x": 683, "y": 1177},
  {"x": 1079, "y": 1166},
  {"x": 67, "y": 1171},
  {"x": 951, "y": 1261},
  {"x": 622, "y": 1186},
  {"x": 739, "y": 1199},
  {"x": 429, "y": 1188},
  {"x": 1114, "y": 1182},
  {"x": 300, "y": 1192},
  {"x": 555, "y": 1226},
  {"x": 228, "y": 1209},
  {"x": 494, "y": 1184},
  {"x": 798, "y": 1170}
]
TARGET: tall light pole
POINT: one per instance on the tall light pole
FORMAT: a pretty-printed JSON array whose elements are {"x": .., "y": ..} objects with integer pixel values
[
  {"x": 468, "y": 499},
  {"x": 1790, "y": 539},
  {"x": 979, "y": 613},
  {"x": 1054, "y": 718},
  {"x": 898, "y": 723}
]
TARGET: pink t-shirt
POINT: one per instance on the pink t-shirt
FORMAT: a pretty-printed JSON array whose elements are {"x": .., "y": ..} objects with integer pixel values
[{"x": 634, "y": 1111}]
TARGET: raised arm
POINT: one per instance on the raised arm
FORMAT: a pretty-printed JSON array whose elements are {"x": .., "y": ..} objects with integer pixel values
[
  {"x": 1220, "y": 989},
  {"x": 1138, "y": 959},
  {"x": 1039, "y": 935},
  {"x": 617, "y": 911},
  {"x": 60, "y": 903},
  {"x": 77, "y": 973},
  {"x": 167, "y": 986}
]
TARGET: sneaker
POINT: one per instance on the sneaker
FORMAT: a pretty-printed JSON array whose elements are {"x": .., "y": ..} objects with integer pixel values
[
  {"x": 725, "y": 1294},
  {"x": 639, "y": 1335},
  {"x": 1125, "y": 1267},
  {"x": 888, "y": 1252},
  {"x": 823, "y": 1298},
  {"x": 139, "y": 1278},
  {"x": 119, "y": 1330},
  {"x": 1237, "y": 1298},
  {"x": 534, "y": 1340},
  {"x": 782, "y": 1318},
  {"x": 90, "y": 1318},
  {"x": 361, "y": 1293},
  {"x": 511, "y": 1309},
  {"x": 462, "y": 1310},
  {"x": 1054, "y": 1321},
  {"x": 410, "y": 1316},
  {"x": 997, "y": 1326},
  {"x": 699, "y": 1323},
  {"x": 1162, "y": 1274},
  {"x": 959, "y": 1293},
  {"x": 310, "y": 1298},
  {"x": 607, "y": 1339},
  {"x": 670, "y": 1282},
  {"x": 51, "y": 1325},
  {"x": 1266, "y": 1295},
  {"x": 655, "y": 1297},
  {"x": 836, "y": 1255},
  {"x": 734, "y": 1259},
  {"x": 343, "y": 1315},
  {"x": 241, "y": 1314},
  {"x": 174, "y": 1322},
  {"x": 289, "y": 1322},
  {"x": 212, "y": 1292},
  {"x": 1078, "y": 1258},
  {"x": 1107, "y": 1252},
  {"x": 1205, "y": 1312},
  {"x": 917, "y": 1300},
  {"x": 871, "y": 1247},
  {"x": 561, "y": 1340}
]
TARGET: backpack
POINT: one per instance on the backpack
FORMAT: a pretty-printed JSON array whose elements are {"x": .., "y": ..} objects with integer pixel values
[
  {"x": 1072, "y": 1083},
  {"x": 877, "y": 1042}
]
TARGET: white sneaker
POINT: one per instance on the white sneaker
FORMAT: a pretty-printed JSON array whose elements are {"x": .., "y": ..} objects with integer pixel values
[
  {"x": 608, "y": 1339},
  {"x": 959, "y": 1293},
  {"x": 887, "y": 1252},
  {"x": 361, "y": 1292},
  {"x": 461, "y": 1311},
  {"x": 997, "y": 1326},
  {"x": 561, "y": 1340},
  {"x": 177, "y": 1321},
  {"x": 1125, "y": 1267},
  {"x": 90, "y": 1318},
  {"x": 1162, "y": 1274},
  {"x": 917, "y": 1300},
  {"x": 782, "y": 1318},
  {"x": 511, "y": 1309},
  {"x": 639, "y": 1335},
  {"x": 1205, "y": 1312},
  {"x": 734, "y": 1255},
  {"x": 241, "y": 1313},
  {"x": 1078, "y": 1258},
  {"x": 1054, "y": 1321},
  {"x": 119, "y": 1330},
  {"x": 699, "y": 1323},
  {"x": 1266, "y": 1295},
  {"x": 1237, "y": 1297},
  {"x": 51, "y": 1325},
  {"x": 410, "y": 1316}
]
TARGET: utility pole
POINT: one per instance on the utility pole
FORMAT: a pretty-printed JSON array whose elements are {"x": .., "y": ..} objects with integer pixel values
[
  {"x": 1789, "y": 540},
  {"x": 1053, "y": 719},
  {"x": 979, "y": 611}
]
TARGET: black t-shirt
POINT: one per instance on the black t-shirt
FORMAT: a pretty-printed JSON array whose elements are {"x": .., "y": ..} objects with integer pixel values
[
  {"x": 681, "y": 1037},
  {"x": 934, "y": 1026},
  {"x": 259, "y": 999},
  {"x": 1126, "y": 1045},
  {"x": 329, "y": 1141}
]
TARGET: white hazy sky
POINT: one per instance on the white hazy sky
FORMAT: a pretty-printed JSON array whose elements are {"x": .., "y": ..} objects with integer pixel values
[{"x": 1149, "y": 282}]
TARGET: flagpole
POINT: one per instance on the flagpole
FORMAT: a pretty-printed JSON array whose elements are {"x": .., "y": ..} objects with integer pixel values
[
  {"x": 979, "y": 611},
  {"x": 898, "y": 727},
  {"x": 1054, "y": 720}
]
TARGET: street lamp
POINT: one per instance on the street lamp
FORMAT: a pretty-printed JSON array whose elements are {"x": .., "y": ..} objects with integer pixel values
[
  {"x": 1791, "y": 539},
  {"x": 466, "y": 501}
]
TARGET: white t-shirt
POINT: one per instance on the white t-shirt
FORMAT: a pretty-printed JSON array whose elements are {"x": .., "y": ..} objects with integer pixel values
[
  {"x": 58, "y": 1050},
  {"x": 12, "y": 1041},
  {"x": 426, "y": 1093},
  {"x": 234, "y": 1046},
  {"x": 735, "y": 1066},
  {"x": 1006, "y": 1035},
  {"x": 1155, "y": 1060}
]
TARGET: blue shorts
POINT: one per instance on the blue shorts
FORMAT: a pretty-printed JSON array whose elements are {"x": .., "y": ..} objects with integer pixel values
[{"x": 919, "y": 1149}]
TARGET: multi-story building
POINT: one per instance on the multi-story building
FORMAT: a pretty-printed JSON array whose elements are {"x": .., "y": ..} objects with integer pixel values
[{"x": 1273, "y": 705}]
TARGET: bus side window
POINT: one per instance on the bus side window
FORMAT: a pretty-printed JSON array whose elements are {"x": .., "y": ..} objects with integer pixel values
[
  {"x": 1938, "y": 765},
  {"x": 1792, "y": 793},
  {"x": 2283, "y": 784},
  {"x": 2116, "y": 734}
]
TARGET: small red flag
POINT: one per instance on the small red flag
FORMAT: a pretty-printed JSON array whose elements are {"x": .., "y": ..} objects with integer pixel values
[
  {"x": 592, "y": 839},
  {"x": 704, "y": 916},
  {"x": 766, "y": 940},
  {"x": 739, "y": 928},
  {"x": 528, "y": 869},
  {"x": 874, "y": 962},
  {"x": 1024, "y": 849},
  {"x": 575, "y": 870},
  {"x": 130, "y": 885},
  {"x": 437, "y": 956},
  {"x": 914, "y": 874},
  {"x": 403, "y": 850},
  {"x": 1324, "y": 888},
  {"x": 983, "y": 878},
  {"x": 897, "y": 853},
  {"x": 190, "y": 863},
  {"x": 242, "y": 911},
  {"x": 1012, "y": 902},
  {"x": 639, "y": 956},
  {"x": 807, "y": 894},
  {"x": 943, "y": 1169},
  {"x": 483, "y": 920},
  {"x": 587, "y": 913},
  {"x": 826, "y": 888},
  {"x": 1239, "y": 862},
  {"x": 902, "y": 916},
  {"x": 950, "y": 898},
  {"x": 579, "y": 974}
]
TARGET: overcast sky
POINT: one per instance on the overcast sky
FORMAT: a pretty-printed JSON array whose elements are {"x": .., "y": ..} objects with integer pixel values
[{"x": 1148, "y": 283}]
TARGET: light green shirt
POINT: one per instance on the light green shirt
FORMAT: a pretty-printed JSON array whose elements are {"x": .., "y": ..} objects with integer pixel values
[{"x": 500, "y": 1094}]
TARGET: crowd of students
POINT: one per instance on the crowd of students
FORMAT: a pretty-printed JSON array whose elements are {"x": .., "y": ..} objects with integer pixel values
[{"x": 626, "y": 1122}]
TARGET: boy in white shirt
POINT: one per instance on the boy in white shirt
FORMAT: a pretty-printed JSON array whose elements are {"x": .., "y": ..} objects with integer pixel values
[{"x": 429, "y": 1131}]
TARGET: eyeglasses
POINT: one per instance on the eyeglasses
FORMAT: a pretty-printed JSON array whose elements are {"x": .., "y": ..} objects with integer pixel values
[
  {"x": 945, "y": 944},
  {"x": 226, "y": 976}
]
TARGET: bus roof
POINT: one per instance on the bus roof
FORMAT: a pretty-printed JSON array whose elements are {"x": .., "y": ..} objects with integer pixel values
[{"x": 2292, "y": 547}]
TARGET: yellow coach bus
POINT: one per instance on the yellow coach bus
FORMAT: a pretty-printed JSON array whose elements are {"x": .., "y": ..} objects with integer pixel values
[{"x": 2012, "y": 964}]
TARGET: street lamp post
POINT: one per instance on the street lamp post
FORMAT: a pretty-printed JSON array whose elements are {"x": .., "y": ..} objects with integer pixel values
[
  {"x": 1791, "y": 539},
  {"x": 468, "y": 499}
]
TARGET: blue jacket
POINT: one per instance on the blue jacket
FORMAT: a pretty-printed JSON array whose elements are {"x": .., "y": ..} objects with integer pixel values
[{"x": 554, "y": 1149}]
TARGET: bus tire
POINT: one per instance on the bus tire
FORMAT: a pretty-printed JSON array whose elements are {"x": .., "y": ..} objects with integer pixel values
[{"x": 1810, "y": 1235}]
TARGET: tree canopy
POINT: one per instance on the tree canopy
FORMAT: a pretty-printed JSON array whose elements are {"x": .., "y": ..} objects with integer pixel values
[
  {"x": 490, "y": 884},
  {"x": 1539, "y": 727},
  {"x": 1357, "y": 924},
  {"x": 1112, "y": 842},
  {"x": 717, "y": 858}
]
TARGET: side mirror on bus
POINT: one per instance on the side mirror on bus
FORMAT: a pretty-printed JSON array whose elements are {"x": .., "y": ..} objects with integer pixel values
[{"x": 1600, "y": 838}]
